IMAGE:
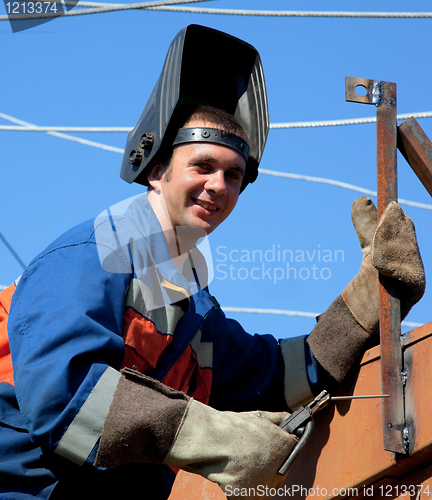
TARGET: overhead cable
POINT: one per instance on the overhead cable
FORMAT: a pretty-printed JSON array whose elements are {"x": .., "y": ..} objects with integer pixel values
[
  {"x": 270, "y": 311},
  {"x": 265, "y": 13},
  {"x": 102, "y": 8},
  {"x": 99, "y": 10},
  {"x": 284, "y": 312},
  {"x": 274, "y": 126},
  {"x": 36, "y": 128},
  {"x": 12, "y": 251},
  {"x": 274, "y": 173},
  {"x": 348, "y": 121},
  {"x": 292, "y": 13},
  {"x": 26, "y": 125},
  {"x": 340, "y": 184}
]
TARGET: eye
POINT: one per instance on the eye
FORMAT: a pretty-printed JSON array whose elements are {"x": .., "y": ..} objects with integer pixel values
[
  {"x": 203, "y": 166},
  {"x": 234, "y": 175}
]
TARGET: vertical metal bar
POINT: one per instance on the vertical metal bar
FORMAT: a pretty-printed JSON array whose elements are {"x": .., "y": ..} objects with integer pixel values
[
  {"x": 390, "y": 319},
  {"x": 383, "y": 95}
]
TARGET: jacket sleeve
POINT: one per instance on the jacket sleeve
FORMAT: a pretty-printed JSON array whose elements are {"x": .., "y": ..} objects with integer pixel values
[
  {"x": 258, "y": 372},
  {"x": 65, "y": 329}
]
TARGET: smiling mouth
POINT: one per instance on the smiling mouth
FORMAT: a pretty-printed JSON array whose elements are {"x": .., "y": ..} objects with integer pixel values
[{"x": 211, "y": 208}]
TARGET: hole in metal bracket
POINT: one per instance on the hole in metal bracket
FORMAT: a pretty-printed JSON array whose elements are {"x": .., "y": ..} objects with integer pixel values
[{"x": 361, "y": 90}]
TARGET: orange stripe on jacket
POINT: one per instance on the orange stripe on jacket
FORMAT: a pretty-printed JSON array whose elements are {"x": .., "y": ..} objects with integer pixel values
[
  {"x": 187, "y": 376},
  {"x": 6, "y": 370},
  {"x": 144, "y": 345}
]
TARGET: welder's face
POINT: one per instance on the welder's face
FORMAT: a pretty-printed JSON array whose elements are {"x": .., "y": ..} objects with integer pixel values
[{"x": 202, "y": 184}]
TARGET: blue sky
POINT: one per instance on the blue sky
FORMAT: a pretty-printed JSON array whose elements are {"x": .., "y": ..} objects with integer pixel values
[{"x": 289, "y": 245}]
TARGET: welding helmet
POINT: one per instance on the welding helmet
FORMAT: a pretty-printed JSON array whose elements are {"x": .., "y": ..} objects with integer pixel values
[{"x": 203, "y": 67}]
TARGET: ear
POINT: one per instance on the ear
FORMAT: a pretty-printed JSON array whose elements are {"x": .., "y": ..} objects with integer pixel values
[{"x": 155, "y": 175}]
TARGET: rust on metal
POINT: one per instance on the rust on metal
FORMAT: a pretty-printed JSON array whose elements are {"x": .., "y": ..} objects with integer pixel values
[
  {"x": 383, "y": 96},
  {"x": 416, "y": 147}
]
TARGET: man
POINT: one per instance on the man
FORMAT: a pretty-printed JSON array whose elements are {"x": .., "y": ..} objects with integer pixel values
[{"x": 124, "y": 368}]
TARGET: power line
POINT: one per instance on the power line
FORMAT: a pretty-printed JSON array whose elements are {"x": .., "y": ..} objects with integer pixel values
[
  {"x": 266, "y": 13},
  {"x": 36, "y": 128},
  {"x": 340, "y": 184},
  {"x": 98, "y": 145},
  {"x": 283, "y": 312},
  {"x": 348, "y": 121},
  {"x": 102, "y": 8},
  {"x": 12, "y": 251},
  {"x": 155, "y": 4},
  {"x": 270, "y": 311},
  {"x": 274, "y": 126},
  {"x": 282, "y": 13}
]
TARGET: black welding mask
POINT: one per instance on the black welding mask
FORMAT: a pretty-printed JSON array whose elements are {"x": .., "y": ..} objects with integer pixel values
[{"x": 203, "y": 67}]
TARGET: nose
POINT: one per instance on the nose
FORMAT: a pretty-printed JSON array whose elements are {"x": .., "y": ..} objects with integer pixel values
[{"x": 216, "y": 182}]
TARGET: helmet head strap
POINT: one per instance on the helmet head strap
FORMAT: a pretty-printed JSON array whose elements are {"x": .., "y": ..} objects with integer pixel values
[{"x": 213, "y": 136}]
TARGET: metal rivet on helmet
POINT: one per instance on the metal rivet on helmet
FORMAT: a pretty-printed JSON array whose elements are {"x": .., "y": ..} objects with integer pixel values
[
  {"x": 147, "y": 141},
  {"x": 135, "y": 157}
]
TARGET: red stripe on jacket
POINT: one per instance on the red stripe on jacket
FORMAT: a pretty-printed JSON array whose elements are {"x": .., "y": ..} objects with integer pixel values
[
  {"x": 6, "y": 370},
  {"x": 144, "y": 346}
]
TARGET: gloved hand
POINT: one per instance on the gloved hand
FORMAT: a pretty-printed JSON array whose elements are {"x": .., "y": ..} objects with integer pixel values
[
  {"x": 389, "y": 247},
  {"x": 151, "y": 423},
  {"x": 237, "y": 451}
]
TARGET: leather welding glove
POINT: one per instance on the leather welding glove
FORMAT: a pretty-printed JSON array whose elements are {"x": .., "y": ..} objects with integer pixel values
[
  {"x": 389, "y": 247},
  {"x": 149, "y": 422}
]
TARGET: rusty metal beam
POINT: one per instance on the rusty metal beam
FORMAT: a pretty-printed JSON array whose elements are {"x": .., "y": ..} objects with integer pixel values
[
  {"x": 383, "y": 96},
  {"x": 416, "y": 147}
]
